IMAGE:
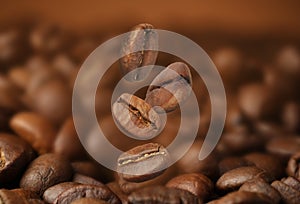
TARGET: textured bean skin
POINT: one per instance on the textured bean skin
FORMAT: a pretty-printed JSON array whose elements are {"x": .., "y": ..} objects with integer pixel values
[
  {"x": 54, "y": 191},
  {"x": 288, "y": 193}
]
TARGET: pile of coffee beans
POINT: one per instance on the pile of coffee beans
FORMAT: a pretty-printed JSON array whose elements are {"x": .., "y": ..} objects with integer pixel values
[{"x": 42, "y": 160}]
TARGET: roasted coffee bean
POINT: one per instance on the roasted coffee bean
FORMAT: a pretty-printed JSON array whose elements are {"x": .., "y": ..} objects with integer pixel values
[
  {"x": 291, "y": 117},
  {"x": 54, "y": 191},
  {"x": 115, "y": 188},
  {"x": 87, "y": 191},
  {"x": 89, "y": 201},
  {"x": 143, "y": 162},
  {"x": 288, "y": 60},
  {"x": 136, "y": 117},
  {"x": 35, "y": 129},
  {"x": 284, "y": 147},
  {"x": 266, "y": 162},
  {"x": 160, "y": 194},
  {"x": 243, "y": 197},
  {"x": 293, "y": 168},
  {"x": 145, "y": 40},
  {"x": 79, "y": 178},
  {"x": 258, "y": 185},
  {"x": 268, "y": 130},
  {"x": 170, "y": 87},
  {"x": 288, "y": 193},
  {"x": 293, "y": 182},
  {"x": 19, "y": 196},
  {"x": 233, "y": 179},
  {"x": 44, "y": 172},
  {"x": 230, "y": 163},
  {"x": 197, "y": 184},
  {"x": 20, "y": 76},
  {"x": 15, "y": 154},
  {"x": 67, "y": 135}
]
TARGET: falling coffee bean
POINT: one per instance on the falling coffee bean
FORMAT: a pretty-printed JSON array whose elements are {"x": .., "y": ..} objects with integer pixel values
[
  {"x": 170, "y": 87},
  {"x": 139, "y": 50},
  {"x": 143, "y": 162},
  {"x": 136, "y": 117}
]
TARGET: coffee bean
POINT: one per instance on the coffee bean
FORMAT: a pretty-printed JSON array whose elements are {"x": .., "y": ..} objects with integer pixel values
[
  {"x": 170, "y": 87},
  {"x": 266, "y": 162},
  {"x": 88, "y": 201},
  {"x": 230, "y": 163},
  {"x": 44, "y": 172},
  {"x": 291, "y": 181},
  {"x": 15, "y": 154},
  {"x": 35, "y": 129},
  {"x": 144, "y": 39},
  {"x": 288, "y": 194},
  {"x": 54, "y": 191},
  {"x": 291, "y": 116},
  {"x": 197, "y": 184},
  {"x": 258, "y": 185},
  {"x": 87, "y": 191},
  {"x": 13, "y": 197},
  {"x": 136, "y": 117},
  {"x": 67, "y": 135},
  {"x": 233, "y": 179},
  {"x": 243, "y": 197},
  {"x": 293, "y": 168},
  {"x": 115, "y": 188},
  {"x": 143, "y": 162},
  {"x": 20, "y": 76},
  {"x": 288, "y": 60},
  {"x": 160, "y": 194},
  {"x": 284, "y": 147},
  {"x": 79, "y": 178}
]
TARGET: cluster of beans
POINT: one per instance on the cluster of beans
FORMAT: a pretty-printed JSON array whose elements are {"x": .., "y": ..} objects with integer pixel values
[{"x": 257, "y": 159}]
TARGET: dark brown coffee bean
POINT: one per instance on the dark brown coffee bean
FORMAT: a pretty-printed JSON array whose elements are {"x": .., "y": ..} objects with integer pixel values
[
  {"x": 291, "y": 181},
  {"x": 293, "y": 168},
  {"x": 115, "y": 188},
  {"x": 44, "y": 172},
  {"x": 170, "y": 87},
  {"x": 258, "y": 185},
  {"x": 160, "y": 194},
  {"x": 89, "y": 201},
  {"x": 291, "y": 117},
  {"x": 288, "y": 194},
  {"x": 87, "y": 191},
  {"x": 136, "y": 117},
  {"x": 15, "y": 154},
  {"x": 230, "y": 163},
  {"x": 67, "y": 135},
  {"x": 266, "y": 162},
  {"x": 243, "y": 197},
  {"x": 142, "y": 38},
  {"x": 233, "y": 179},
  {"x": 197, "y": 184},
  {"x": 54, "y": 191},
  {"x": 79, "y": 178},
  {"x": 143, "y": 162},
  {"x": 284, "y": 147},
  {"x": 35, "y": 129},
  {"x": 13, "y": 197}
]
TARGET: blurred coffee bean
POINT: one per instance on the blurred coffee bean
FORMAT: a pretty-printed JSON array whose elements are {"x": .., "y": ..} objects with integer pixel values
[
  {"x": 266, "y": 162},
  {"x": 243, "y": 197},
  {"x": 288, "y": 194},
  {"x": 293, "y": 168},
  {"x": 89, "y": 201},
  {"x": 142, "y": 38},
  {"x": 291, "y": 181},
  {"x": 15, "y": 155},
  {"x": 268, "y": 130},
  {"x": 35, "y": 129},
  {"x": 171, "y": 87},
  {"x": 284, "y": 147},
  {"x": 44, "y": 172},
  {"x": 136, "y": 116},
  {"x": 291, "y": 117},
  {"x": 258, "y": 101},
  {"x": 234, "y": 178},
  {"x": 160, "y": 194},
  {"x": 79, "y": 178},
  {"x": 197, "y": 184},
  {"x": 230, "y": 163},
  {"x": 19, "y": 76},
  {"x": 87, "y": 191},
  {"x": 54, "y": 191},
  {"x": 83, "y": 48},
  {"x": 63, "y": 64},
  {"x": 143, "y": 162},
  {"x": 258, "y": 185},
  {"x": 67, "y": 135},
  {"x": 288, "y": 60}
]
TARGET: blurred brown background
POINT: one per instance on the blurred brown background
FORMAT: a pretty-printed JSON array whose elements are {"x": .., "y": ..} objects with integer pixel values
[{"x": 269, "y": 18}]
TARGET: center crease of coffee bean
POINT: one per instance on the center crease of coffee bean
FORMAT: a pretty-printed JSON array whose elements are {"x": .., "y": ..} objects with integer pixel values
[{"x": 139, "y": 158}]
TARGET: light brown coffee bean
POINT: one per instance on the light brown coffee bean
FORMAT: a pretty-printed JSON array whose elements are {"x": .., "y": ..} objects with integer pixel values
[
  {"x": 35, "y": 129},
  {"x": 171, "y": 87},
  {"x": 197, "y": 184},
  {"x": 288, "y": 194},
  {"x": 136, "y": 117},
  {"x": 46, "y": 171},
  {"x": 144, "y": 39},
  {"x": 143, "y": 162}
]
